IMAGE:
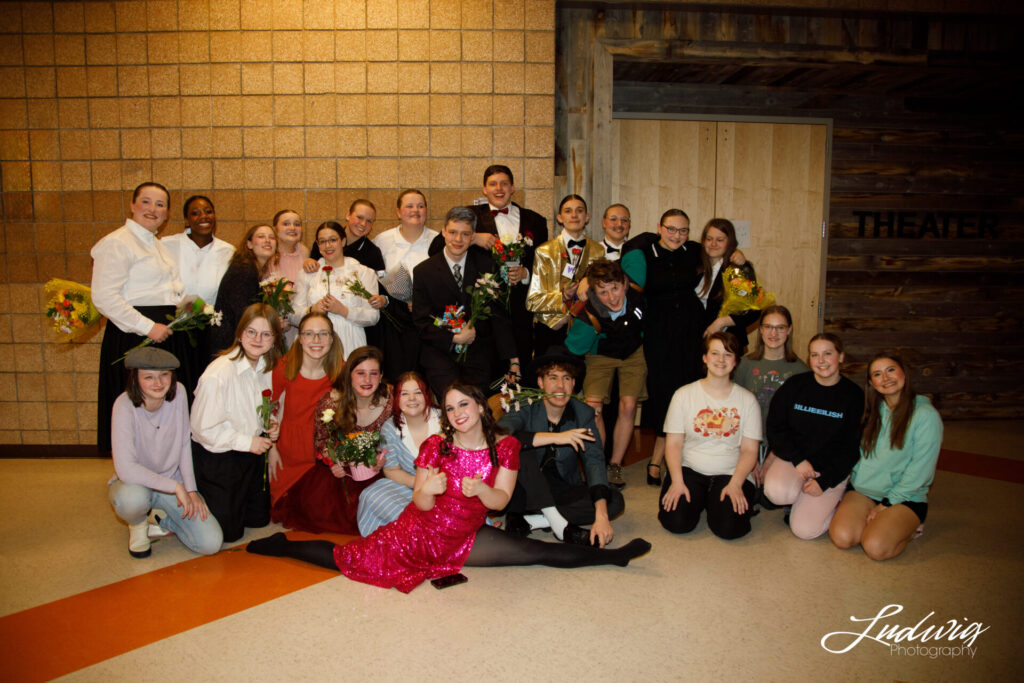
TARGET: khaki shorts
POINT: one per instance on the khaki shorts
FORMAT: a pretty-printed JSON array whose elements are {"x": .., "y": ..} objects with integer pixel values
[{"x": 601, "y": 369}]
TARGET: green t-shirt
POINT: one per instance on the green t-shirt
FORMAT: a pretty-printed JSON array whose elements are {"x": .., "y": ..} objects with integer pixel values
[{"x": 763, "y": 378}]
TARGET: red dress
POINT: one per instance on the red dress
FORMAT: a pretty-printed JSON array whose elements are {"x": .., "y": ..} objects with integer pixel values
[
  {"x": 318, "y": 501},
  {"x": 295, "y": 443},
  {"x": 422, "y": 545}
]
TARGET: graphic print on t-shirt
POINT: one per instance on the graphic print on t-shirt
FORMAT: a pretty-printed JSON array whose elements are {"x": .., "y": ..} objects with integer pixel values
[{"x": 717, "y": 423}]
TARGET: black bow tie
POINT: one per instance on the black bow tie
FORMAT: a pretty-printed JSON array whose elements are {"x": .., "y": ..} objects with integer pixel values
[
  {"x": 609, "y": 249},
  {"x": 495, "y": 212},
  {"x": 577, "y": 243}
]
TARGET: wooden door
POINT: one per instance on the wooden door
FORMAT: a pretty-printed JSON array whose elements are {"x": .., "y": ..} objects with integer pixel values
[{"x": 771, "y": 175}]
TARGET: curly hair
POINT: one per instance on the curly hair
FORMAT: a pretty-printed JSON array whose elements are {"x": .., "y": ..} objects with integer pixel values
[{"x": 492, "y": 430}]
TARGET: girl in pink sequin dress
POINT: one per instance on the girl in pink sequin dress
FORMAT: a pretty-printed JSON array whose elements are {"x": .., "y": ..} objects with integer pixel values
[{"x": 459, "y": 477}]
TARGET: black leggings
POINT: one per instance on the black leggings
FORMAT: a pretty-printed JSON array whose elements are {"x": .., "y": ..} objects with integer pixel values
[
  {"x": 705, "y": 493},
  {"x": 492, "y": 548}
]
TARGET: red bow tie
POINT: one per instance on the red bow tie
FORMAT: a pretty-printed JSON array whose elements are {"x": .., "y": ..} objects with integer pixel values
[{"x": 495, "y": 212}]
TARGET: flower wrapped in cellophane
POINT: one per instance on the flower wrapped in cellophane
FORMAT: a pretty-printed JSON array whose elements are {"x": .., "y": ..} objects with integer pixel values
[
  {"x": 508, "y": 251},
  {"x": 742, "y": 291},
  {"x": 277, "y": 292},
  {"x": 190, "y": 317},
  {"x": 69, "y": 308}
]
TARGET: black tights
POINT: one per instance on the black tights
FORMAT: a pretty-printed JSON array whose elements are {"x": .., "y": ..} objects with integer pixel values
[{"x": 492, "y": 548}]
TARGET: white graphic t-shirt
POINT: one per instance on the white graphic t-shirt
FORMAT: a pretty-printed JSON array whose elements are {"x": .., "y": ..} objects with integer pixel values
[{"x": 713, "y": 429}]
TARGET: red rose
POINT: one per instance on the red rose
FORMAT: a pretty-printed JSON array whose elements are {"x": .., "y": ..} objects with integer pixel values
[
  {"x": 327, "y": 269},
  {"x": 267, "y": 393}
]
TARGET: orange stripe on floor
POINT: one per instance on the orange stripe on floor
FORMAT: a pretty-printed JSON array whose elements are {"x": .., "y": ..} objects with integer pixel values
[
  {"x": 988, "y": 466},
  {"x": 66, "y": 635}
]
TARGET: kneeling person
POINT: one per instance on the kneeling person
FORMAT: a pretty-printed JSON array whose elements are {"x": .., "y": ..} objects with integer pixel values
[{"x": 558, "y": 433}]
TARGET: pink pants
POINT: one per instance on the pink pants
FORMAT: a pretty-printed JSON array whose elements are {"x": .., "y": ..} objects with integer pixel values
[{"x": 810, "y": 515}]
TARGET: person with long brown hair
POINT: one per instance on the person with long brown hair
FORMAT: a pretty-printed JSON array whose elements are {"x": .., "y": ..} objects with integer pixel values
[
  {"x": 719, "y": 250},
  {"x": 899, "y": 449},
  {"x": 240, "y": 285},
  {"x": 813, "y": 430},
  {"x": 300, "y": 380},
  {"x": 228, "y": 439},
  {"x": 361, "y": 402},
  {"x": 460, "y": 475}
]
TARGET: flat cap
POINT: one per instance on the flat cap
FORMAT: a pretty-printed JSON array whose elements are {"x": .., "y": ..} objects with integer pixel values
[{"x": 149, "y": 358}]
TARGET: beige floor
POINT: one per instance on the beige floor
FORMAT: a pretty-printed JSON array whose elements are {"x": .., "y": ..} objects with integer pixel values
[{"x": 695, "y": 608}]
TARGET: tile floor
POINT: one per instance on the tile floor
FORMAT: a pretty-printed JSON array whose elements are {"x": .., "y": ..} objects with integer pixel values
[{"x": 695, "y": 608}]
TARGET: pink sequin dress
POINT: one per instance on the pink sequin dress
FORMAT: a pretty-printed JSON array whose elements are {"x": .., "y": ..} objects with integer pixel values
[{"x": 422, "y": 545}]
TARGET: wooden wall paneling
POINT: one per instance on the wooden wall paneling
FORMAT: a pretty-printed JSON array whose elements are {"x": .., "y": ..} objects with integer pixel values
[{"x": 773, "y": 175}]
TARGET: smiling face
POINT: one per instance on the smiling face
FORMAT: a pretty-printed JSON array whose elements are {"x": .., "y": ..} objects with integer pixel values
[
  {"x": 289, "y": 229},
  {"x": 150, "y": 207},
  {"x": 412, "y": 212},
  {"x": 719, "y": 360},
  {"x": 611, "y": 294},
  {"x": 560, "y": 383},
  {"x": 411, "y": 401},
  {"x": 775, "y": 331},
  {"x": 715, "y": 243},
  {"x": 462, "y": 411},
  {"x": 263, "y": 243},
  {"x": 316, "y": 337},
  {"x": 458, "y": 236},
  {"x": 674, "y": 231},
  {"x": 154, "y": 384},
  {"x": 616, "y": 224},
  {"x": 360, "y": 220},
  {"x": 887, "y": 378},
  {"x": 498, "y": 189},
  {"x": 573, "y": 217},
  {"x": 825, "y": 361},
  {"x": 257, "y": 339},
  {"x": 200, "y": 218},
  {"x": 366, "y": 378},
  {"x": 331, "y": 244}
]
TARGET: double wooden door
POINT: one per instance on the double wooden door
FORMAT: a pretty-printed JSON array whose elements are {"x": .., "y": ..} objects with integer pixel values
[{"x": 770, "y": 176}]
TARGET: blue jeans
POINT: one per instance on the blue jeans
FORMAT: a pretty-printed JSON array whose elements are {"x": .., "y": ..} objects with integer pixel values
[{"x": 132, "y": 503}]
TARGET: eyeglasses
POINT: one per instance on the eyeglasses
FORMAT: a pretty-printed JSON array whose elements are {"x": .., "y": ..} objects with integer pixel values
[
  {"x": 676, "y": 231},
  {"x": 774, "y": 328},
  {"x": 254, "y": 334},
  {"x": 309, "y": 335},
  {"x": 327, "y": 241}
]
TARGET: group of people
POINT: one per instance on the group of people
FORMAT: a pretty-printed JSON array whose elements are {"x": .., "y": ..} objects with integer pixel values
[{"x": 375, "y": 343}]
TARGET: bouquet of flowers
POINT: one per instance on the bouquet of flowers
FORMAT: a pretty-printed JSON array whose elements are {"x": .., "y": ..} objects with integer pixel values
[
  {"x": 454, "y": 319},
  {"x": 266, "y": 410},
  {"x": 483, "y": 293},
  {"x": 514, "y": 396},
  {"x": 742, "y": 292},
  {"x": 190, "y": 317},
  {"x": 360, "y": 290},
  {"x": 70, "y": 308},
  {"x": 509, "y": 252},
  {"x": 277, "y": 293},
  {"x": 358, "y": 450}
]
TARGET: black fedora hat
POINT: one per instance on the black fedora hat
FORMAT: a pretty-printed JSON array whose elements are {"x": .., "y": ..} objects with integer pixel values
[{"x": 556, "y": 354}]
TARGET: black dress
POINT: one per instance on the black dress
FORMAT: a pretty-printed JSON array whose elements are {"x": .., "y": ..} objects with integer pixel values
[
  {"x": 743, "y": 319},
  {"x": 239, "y": 289},
  {"x": 673, "y": 322}
]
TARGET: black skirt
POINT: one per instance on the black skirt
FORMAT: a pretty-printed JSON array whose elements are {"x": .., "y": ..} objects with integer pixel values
[{"x": 117, "y": 342}]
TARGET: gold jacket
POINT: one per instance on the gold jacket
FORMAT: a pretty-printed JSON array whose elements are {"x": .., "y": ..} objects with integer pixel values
[{"x": 544, "y": 298}]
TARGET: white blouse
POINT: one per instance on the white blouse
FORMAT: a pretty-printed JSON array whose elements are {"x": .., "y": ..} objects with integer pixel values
[
  {"x": 311, "y": 287},
  {"x": 132, "y": 268},
  {"x": 201, "y": 269},
  {"x": 224, "y": 416},
  {"x": 399, "y": 252}
]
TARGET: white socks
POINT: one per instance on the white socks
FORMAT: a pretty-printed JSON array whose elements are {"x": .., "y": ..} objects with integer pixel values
[{"x": 555, "y": 520}]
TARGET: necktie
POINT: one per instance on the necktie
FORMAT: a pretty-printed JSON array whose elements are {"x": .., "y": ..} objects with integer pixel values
[
  {"x": 457, "y": 272},
  {"x": 495, "y": 212}
]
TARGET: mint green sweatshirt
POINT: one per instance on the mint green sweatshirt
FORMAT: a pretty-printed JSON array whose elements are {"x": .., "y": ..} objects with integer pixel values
[{"x": 905, "y": 474}]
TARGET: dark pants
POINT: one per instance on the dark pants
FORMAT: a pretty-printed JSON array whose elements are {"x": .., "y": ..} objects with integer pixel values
[
  {"x": 537, "y": 489},
  {"x": 233, "y": 485},
  {"x": 705, "y": 494},
  {"x": 544, "y": 337}
]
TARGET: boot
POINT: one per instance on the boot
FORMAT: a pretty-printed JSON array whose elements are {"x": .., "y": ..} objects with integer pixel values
[{"x": 138, "y": 539}]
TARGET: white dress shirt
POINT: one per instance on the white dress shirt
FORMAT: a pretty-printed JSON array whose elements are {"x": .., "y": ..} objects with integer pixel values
[
  {"x": 132, "y": 268},
  {"x": 715, "y": 269},
  {"x": 612, "y": 256},
  {"x": 507, "y": 224},
  {"x": 311, "y": 287},
  {"x": 201, "y": 269},
  {"x": 224, "y": 416},
  {"x": 397, "y": 251}
]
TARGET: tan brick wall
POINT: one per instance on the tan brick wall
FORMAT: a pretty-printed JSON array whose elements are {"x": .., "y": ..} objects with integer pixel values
[{"x": 260, "y": 104}]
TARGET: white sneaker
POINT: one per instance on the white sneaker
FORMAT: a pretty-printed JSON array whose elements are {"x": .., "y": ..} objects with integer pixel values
[{"x": 138, "y": 540}]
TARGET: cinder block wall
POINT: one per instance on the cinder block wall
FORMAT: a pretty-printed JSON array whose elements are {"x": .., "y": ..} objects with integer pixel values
[{"x": 260, "y": 104}]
